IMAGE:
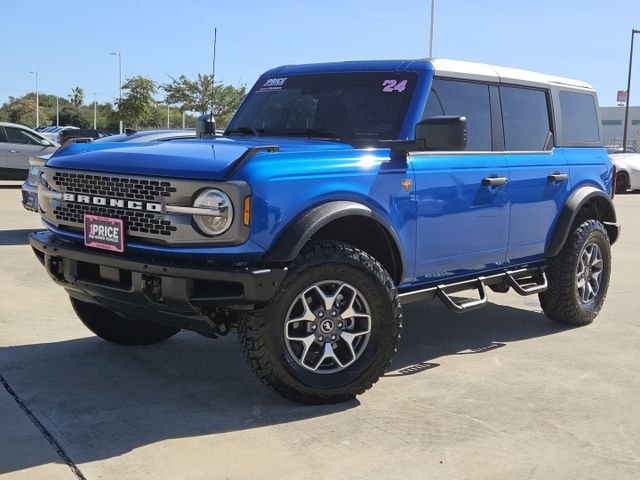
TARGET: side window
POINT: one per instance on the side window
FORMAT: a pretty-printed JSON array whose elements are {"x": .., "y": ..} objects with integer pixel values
[
  {"x": 452, "y": 97},
  {"x": 579, "y": 118},
  {"x": 17, "y": 135},
  {"x": 525, "y": 116}
]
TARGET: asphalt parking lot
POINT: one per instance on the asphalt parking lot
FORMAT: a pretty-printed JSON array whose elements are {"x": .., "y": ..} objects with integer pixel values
[{"x": 499, "y": 393}]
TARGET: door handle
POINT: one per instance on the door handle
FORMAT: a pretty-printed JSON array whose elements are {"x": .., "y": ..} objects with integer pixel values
[
  {"x": 13, "y": 151},
  {"x": 557, "y": 177},
  {"x": 494, "y": 181}
]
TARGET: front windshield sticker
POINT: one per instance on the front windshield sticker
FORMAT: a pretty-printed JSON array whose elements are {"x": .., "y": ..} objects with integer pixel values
[
  {"x": 272, "y": 84},
  {"x": 394, "y": 86}
]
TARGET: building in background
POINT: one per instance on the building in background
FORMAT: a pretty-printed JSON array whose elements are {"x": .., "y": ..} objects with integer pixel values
[{"x": 613, "y": 126}]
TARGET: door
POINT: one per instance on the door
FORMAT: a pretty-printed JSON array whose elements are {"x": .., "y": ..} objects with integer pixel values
[
  {"x": 22, "y": 144},
  {"x": 3, "y": 153},
  {"x": 539, "y": 176},
  {"x": 463, "y": 216}
]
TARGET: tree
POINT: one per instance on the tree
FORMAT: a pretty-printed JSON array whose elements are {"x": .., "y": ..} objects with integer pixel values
[
  {"x": 227, "y": 100},
  {"x": 20, "y": 110},
  {"x": 197, "y": 95},
  {"x": 71, "y": 115},
  {"x": 77, "y": 96},
  {"x": 138, "y": 103}
]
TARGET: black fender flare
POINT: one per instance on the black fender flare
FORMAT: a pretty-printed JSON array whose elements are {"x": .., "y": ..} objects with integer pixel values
[
  {"x": 289, "y": 244},
  {"x": 570, "y": 210}
]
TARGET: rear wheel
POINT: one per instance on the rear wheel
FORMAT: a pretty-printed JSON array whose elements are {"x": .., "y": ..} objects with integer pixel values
[
  {"x": 622, "y": 182},
  {"x": 332, "y": 329},
  {"x": 114, "y": 328},
  {"x": 579, "y": 276}
]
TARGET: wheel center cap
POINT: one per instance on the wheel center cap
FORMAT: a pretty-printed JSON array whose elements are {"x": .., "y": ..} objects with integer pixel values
[{"x": 326, "y": 326}]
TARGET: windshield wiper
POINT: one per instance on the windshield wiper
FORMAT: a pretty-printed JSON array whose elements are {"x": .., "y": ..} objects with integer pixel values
[{"x": 248, "y": 129}]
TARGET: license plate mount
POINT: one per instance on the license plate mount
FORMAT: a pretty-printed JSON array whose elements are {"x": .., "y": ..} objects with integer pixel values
[{"x": 104, "y": 232}]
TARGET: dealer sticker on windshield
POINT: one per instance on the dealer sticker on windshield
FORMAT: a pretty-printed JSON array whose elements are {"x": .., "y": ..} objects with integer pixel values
[
  {"x": 104, "y": 232},
  {"x": 272, "y": 84}
]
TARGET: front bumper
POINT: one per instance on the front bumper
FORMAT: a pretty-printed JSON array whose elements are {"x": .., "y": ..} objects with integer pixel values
[{"x": 178, "y": 293}]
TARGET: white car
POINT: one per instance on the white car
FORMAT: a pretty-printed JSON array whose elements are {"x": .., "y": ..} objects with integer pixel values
[
  {"x": 17, "y": 144},
  {"x": 628, "y": 168}
]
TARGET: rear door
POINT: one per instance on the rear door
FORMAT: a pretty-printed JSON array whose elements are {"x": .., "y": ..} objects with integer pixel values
[
  {"x": 539, "y": 176},
  {"x": 462, "y": 222},
  {"x": 3, "y": 150}
]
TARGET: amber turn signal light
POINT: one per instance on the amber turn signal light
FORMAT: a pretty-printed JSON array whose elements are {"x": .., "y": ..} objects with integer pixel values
[{"x": 247, "y": 210}]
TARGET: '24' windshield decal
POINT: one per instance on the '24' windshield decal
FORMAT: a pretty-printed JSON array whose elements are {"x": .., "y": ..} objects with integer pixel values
[{"x": 394, "y": 86}]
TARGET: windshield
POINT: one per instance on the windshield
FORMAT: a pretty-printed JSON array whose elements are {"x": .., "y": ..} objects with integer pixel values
[{"x": 328, "y": 105}]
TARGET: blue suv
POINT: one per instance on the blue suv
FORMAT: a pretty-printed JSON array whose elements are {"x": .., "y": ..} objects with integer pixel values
[{"x": 339, "y": 192}]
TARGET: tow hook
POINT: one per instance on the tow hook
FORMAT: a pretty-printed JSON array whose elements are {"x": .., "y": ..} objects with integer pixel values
[{"x": 152, "y": 287}]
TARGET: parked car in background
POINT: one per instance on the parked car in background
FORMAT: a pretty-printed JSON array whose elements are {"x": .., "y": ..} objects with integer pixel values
[
  {"x": 53, "y": 133},
  {"x": 17, "y": 144},
  {"x": 149, "y": 136},
  {"x": 30, "y": 186},
  {"x": 628, "y": 171},
  {"x": 616, "y": 149},
  {"x": 82, "y": 133}
]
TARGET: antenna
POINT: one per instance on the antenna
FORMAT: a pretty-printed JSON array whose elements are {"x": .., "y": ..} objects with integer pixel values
[{"x": 213, "y": 74}]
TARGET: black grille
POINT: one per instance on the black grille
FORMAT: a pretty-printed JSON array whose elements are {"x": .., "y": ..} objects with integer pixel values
[
  {"x": 107, "y": 186},
  {"x": 142, "y": 222}
]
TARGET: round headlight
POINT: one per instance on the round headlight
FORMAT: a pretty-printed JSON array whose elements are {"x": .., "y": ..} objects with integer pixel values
[{"x": 217, "y": 214}]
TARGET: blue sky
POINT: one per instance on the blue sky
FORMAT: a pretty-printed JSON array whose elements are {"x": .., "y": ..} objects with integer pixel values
[{"x": 69, "y": 42}]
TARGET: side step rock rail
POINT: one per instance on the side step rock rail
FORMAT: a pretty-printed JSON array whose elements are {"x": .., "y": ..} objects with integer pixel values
[{"x": 525, "y": 281}]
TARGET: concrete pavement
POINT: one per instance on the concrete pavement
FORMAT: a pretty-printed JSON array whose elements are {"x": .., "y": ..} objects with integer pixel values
[{"x": 499, "y": 393}]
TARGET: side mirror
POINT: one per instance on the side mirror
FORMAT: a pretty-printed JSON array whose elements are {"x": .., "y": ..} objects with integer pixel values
[
  {"x": 46, "y": 143},
  {"x": 445, "y": 132},
  {"x": 205, "y": 126}
]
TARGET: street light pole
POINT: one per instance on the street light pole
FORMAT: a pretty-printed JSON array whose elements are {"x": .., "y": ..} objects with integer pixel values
[
  {"x": 57, "y": 111},
  {"x": 433, "y": 14},
  {"x": 626, "y": 108},
  {"x": 37, "y": 100},
  {"x": 168, "y": 116},
  {"x": 95, "y": 111},
  {"x": 119, "y": 54}
]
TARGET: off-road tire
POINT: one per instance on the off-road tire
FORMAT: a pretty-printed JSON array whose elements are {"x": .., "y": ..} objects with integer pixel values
[
  {"x": 114, "y": 328},
  {"x": 561, "y": 302},
  {"x": 623, "y": 183},
  {"x": 261, "y": 333}
]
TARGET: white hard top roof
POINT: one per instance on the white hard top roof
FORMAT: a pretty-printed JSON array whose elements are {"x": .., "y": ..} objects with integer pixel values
[{"x": 492, "y": 73}]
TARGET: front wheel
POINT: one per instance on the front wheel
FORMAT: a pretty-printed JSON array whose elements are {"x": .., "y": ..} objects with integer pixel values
[
  {"x": 114, "y": 328},
  {"x": 579, "y": 276},
  {"x": 622, "y": 182},
  {"x": 331, "y": 330}
]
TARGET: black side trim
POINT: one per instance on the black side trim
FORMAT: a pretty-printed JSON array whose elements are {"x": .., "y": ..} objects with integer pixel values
[
  {"x": 576, "y": 201},
  {"x": 302, "y": 229},
  {"x": 497, "y": 128}
]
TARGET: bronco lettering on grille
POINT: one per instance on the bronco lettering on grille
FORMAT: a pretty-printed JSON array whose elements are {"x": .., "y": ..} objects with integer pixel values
[{"x": 112, "y": 202}]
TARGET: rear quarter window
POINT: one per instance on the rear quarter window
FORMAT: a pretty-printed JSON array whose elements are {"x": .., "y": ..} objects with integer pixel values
[{"x": 579, "y": 118}]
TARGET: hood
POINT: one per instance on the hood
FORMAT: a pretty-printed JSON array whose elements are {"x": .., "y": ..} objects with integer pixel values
[{"x": 206, "y": 159}]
